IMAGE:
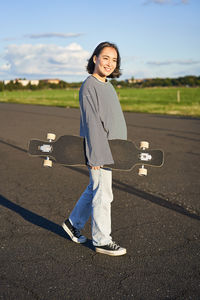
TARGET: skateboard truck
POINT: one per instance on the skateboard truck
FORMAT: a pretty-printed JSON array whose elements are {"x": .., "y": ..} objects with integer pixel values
[
  {"x": 45, "y": 148},
  {"x": 144, "y": 157},
  {"x": 48, "y": 148}
]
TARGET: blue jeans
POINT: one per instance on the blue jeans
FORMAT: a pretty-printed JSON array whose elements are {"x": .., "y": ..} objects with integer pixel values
[{"x": 96, "y": 202}]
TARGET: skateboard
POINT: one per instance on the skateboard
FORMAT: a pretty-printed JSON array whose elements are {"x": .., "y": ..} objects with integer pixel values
[{"x": 69, "y": 150}]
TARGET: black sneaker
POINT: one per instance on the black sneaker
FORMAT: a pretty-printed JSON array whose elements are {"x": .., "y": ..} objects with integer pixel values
[
  {"x": 111, "y": 249},
  {"x": 73, "y": 232}
]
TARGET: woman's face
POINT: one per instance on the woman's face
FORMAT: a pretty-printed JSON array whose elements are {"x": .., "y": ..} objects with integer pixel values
[{"x": 106, "y": 62}]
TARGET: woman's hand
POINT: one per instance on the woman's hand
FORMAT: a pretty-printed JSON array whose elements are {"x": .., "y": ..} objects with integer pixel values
[{"x": 95, "y": 168}]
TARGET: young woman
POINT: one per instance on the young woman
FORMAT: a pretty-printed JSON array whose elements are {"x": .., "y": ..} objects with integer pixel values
[{"x": 101, "y": 120}]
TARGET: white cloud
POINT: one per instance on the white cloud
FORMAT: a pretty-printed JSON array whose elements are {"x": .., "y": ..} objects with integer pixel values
[
  {"x": 52, "y": 35},
  {"x": 158, "y": 1},
  {"x": 162, "y": 2},
  {"x": 139, "y": 67},
  {"x": 5, "y": 67},
  {"x": 44, "y": 35},
  {"x": 44, "y": 60},
  {"x": 174, "y": 62}
]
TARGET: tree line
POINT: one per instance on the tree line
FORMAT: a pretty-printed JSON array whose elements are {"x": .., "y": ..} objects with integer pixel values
[
  {"x": 15, "y": 85},
  {"x": 187, "y": 81}
]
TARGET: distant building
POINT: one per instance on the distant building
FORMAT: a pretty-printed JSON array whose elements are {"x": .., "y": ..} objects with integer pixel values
[
  {"x": 55, "y": 81},
  {"x": 23, "y": 82},
  {"x": 6, "y": 82},
  {"x": 135, "y": 80},
  {"x": 34, "y": 82}
]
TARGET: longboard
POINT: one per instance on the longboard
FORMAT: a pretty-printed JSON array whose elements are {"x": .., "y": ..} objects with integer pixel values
[{"x": 69, "y": 150}]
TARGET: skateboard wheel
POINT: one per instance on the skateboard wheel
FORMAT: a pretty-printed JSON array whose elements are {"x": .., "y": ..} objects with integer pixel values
[
  {"x": 142, "y": 172},
  {"x": 144, "y": 145},
  {"x": 51, "y": 136},
  {"x": 47, "y": 163}
]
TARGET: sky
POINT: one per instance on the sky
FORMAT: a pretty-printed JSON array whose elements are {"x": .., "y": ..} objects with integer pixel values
[{"x": 55, "y": 38}]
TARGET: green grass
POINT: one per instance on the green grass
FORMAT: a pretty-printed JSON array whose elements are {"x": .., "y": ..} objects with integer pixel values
[
  {"x": 63, "y": 98},
  {"x": 149, "y": 100},
  {"x": 161, "y": 100}
]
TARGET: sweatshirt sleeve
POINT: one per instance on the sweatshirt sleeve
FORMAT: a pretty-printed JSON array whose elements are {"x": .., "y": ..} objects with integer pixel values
[{"x": 96, "y": 143}]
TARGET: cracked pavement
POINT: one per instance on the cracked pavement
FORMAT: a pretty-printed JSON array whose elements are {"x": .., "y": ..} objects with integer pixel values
[{"x": 156, "y": 218}]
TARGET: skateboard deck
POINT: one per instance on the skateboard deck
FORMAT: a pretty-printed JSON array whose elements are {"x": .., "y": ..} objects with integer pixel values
[{"x": 69, "y": 150}]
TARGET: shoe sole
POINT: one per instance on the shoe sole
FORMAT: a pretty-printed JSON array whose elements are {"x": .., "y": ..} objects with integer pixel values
[
  {"x": 73, "y": 238},
  {"x": 111, "y": 253}
]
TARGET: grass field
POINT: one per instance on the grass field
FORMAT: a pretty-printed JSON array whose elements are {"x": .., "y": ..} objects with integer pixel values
[{"x": 149, "y": 100}]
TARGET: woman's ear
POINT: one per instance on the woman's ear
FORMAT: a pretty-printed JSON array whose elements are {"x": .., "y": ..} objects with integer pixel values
[{"x": 94, "y": 59}]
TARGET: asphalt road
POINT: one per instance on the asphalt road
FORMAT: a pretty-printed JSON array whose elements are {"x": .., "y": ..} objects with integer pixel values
[{"x": 157, "y": 218}]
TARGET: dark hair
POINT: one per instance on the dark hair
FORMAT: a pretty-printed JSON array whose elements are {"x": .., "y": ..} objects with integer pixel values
[{"x": 91, "y": 65}]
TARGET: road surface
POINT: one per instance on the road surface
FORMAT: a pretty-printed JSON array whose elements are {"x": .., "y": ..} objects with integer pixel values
[{"x": 157, "y": 218}]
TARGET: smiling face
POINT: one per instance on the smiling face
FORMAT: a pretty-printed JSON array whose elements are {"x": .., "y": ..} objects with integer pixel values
[{"x": 105, "y": 63}]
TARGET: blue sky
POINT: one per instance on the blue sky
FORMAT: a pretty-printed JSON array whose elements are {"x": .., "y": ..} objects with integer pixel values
[{"x": 54, "y": 39}]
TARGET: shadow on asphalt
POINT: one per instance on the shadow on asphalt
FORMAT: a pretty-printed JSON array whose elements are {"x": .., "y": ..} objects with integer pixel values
[
  {"x": 39, "y": 220},
  {"x": 13, "y": 146},
  {"x": 155, "y": 199},
  {"x": 118, "y": 185},
  {"x": 147, "y": 196}
]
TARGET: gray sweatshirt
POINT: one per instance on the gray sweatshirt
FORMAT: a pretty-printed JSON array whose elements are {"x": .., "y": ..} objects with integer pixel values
[{"x": 101, "y": 120}]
